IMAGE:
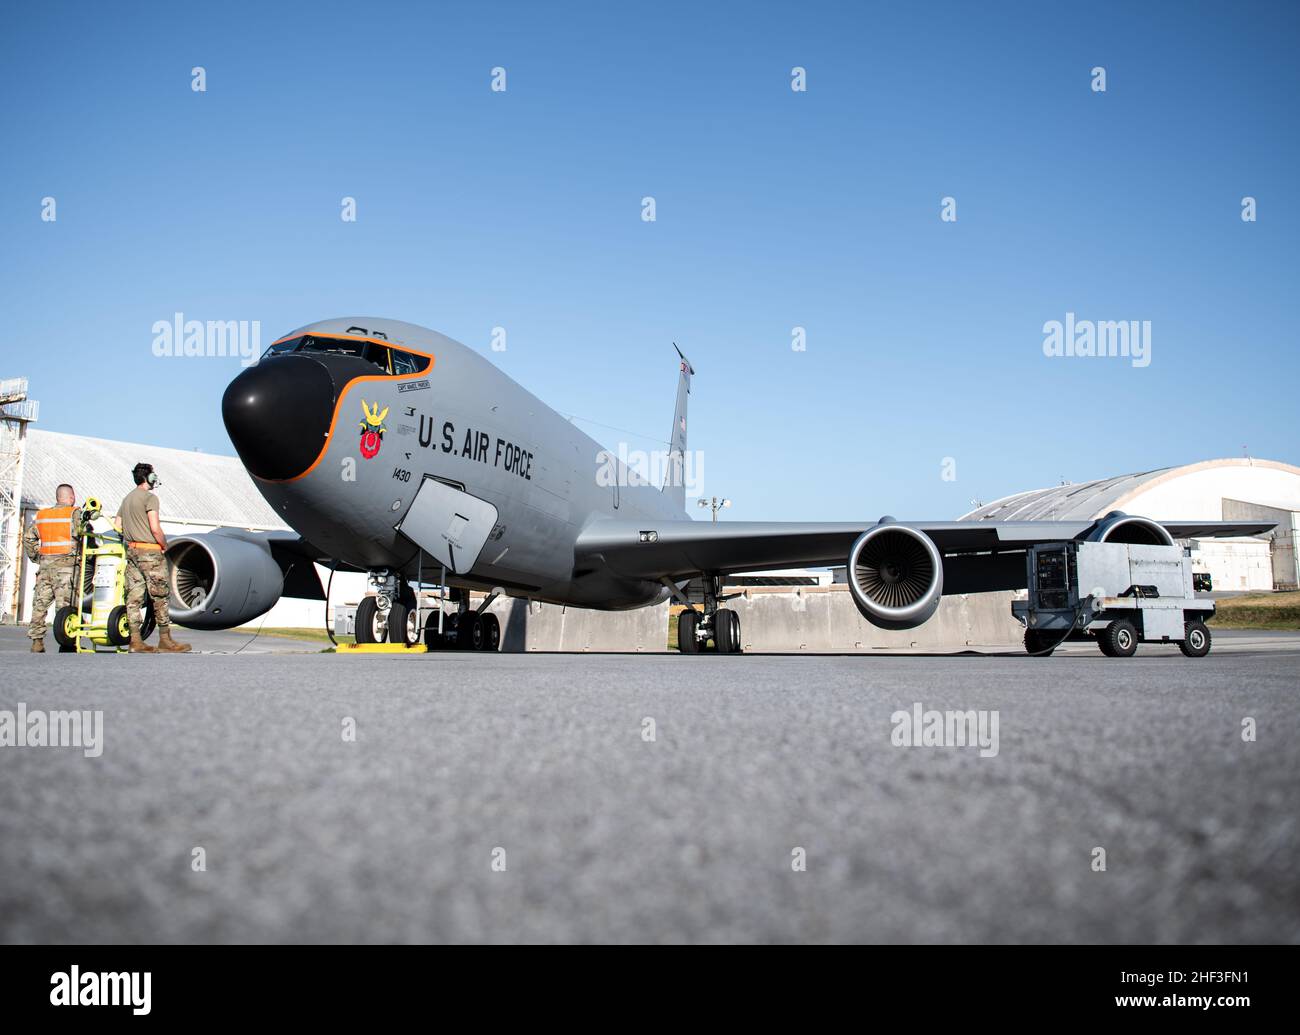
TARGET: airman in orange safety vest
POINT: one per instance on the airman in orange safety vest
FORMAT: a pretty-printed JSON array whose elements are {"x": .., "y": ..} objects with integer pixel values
[{"x": 51, "y": 541}]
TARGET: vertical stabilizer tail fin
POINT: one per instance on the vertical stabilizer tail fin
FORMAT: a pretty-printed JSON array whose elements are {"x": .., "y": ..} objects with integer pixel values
[{"x": 675, "y": 481}]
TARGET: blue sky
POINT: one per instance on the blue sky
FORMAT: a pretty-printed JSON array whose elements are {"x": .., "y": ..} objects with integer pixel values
[{"x": 775, "y": 209}]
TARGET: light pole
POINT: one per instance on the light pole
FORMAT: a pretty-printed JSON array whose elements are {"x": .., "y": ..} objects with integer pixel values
[{"x": 713, "y": 504}]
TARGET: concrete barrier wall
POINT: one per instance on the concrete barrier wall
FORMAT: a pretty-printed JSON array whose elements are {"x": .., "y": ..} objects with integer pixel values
[
  {"x": 827, "y": 620},
  {"x": 531, "y": 626},
  {"x": 803, "y": 619}
]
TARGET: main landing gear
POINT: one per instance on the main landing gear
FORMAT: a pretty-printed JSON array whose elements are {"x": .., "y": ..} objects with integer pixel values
[
  {"x": 390, "y": 615},
  {"x": 465, "y": 629},
  {"x": 719, "y": 626}
]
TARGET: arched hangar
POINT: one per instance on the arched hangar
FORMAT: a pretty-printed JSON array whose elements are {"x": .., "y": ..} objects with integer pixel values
[{"x": 1236, "y": 489}]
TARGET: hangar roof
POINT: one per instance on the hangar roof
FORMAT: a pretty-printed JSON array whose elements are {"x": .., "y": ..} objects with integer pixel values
[
  {"x": 197, "y": 488},
  {"x": 1087, "y": 500}
]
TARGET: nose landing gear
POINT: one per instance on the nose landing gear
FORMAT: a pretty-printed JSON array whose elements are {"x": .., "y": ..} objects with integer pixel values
[{"x": 388, "y": 615}]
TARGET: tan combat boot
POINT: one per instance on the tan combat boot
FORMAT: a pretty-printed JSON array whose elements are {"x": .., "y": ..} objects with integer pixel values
[
  {"x": 38, "y": 646},
  {"x": 138, "y": 646},
  {"x": 167, "y": 645}
]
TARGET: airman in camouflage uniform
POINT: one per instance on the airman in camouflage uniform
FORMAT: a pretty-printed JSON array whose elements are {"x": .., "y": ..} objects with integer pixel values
[
  {"x": 147, "y": 570},
  {"x": 147, "y": 575},
  {"x": 51, "y": 540}
]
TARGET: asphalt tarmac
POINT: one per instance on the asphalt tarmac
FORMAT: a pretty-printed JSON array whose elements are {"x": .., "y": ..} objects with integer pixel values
[{"x": 509, "y": 798}]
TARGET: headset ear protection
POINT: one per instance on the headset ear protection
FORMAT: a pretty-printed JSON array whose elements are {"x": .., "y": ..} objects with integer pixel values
[{"x": 152, "y": 480}]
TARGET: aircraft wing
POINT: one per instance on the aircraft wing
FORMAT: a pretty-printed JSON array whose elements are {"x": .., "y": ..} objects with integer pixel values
[{"x": 655, "y": 549}]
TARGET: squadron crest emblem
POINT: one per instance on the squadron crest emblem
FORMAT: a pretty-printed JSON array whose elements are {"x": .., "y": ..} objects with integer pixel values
[{"x": 372, "y": 429}]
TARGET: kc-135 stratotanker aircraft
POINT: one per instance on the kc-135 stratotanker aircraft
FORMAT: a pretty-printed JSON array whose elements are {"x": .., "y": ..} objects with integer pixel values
[{"x": 394, "y": 450}]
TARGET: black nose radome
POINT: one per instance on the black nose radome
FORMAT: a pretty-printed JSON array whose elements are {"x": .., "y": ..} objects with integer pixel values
[{"x": 277, "y": 414}]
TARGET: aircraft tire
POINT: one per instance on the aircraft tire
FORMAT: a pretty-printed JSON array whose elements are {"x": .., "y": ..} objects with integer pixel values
[
  {"x": 471, "y": 632},
  {"x": 726, "y": 631},
  {"x": 363, "y": 625},
  {"x": 401, "y": 625},
  {"x": 491, "y": 632},
  {"x": 687, "y": 623},
  {"x": 431, "y": 638}
]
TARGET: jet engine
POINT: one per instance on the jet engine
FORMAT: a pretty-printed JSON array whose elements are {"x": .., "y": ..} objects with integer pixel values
[
  {"x": 221, "y": 579},
  {"x": 1118, "y": 527},
  {"x": 895, "y": 575}
]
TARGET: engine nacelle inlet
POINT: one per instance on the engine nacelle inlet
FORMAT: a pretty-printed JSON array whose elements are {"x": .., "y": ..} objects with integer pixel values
[
  {"x": 220, "y": 580},
  {"x": 895, "y": 575},
  {"x": 1118, "y": 527}
]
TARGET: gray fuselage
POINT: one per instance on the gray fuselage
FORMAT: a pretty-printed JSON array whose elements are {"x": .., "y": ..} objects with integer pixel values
[{"x": 459, "y": 420}]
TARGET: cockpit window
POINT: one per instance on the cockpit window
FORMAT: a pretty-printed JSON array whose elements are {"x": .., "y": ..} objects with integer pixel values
[
  {"x": 282, "y": 347},
  {"x": 406, "y": 362},
  {"x": 388, "y": 359}
]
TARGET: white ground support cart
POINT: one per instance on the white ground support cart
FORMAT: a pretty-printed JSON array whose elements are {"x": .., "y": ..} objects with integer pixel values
[{"x": 1119, "y": 594}]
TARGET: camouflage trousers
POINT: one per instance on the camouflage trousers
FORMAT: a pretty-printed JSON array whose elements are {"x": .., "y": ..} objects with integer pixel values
[
  {"x": 53, "y": 586},
  {"x": 147, "y": 573}
]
